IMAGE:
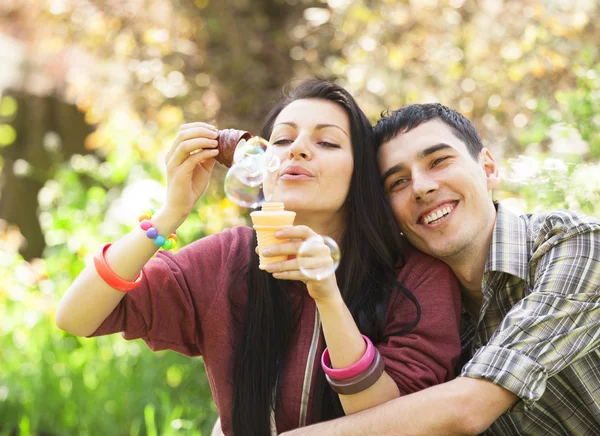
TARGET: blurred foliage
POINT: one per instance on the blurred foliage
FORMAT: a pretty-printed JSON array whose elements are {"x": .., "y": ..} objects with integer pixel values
[{"x": 526, "y": 72}]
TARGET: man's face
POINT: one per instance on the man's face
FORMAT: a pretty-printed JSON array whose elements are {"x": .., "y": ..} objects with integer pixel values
[{"x": 440, "y": 195}]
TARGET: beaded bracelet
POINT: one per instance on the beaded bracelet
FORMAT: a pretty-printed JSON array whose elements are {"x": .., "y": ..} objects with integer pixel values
[{"x": 152, "y": 233}]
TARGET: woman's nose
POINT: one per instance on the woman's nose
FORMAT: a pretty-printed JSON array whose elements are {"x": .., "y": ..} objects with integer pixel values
[{"x": 300, "y": 148}]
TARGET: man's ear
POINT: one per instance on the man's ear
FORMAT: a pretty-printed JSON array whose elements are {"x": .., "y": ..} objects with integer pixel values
[{"x": 490, "y": 168}]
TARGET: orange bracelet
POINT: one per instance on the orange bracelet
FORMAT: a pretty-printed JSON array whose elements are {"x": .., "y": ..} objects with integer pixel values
[{"x": 107, "y": 274}]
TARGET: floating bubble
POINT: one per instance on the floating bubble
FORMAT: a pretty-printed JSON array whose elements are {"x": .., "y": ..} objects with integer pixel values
[
  {"x": 246, "y": 149},
  {"x": 241, "y": 188},
  {"x": 318, "y": 257},
  {"x": 272, "y": 161},
  {"x": 253, "y": 160}
]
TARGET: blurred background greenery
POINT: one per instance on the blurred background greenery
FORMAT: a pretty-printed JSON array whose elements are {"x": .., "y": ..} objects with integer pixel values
[{"x": 92, "y": 92}]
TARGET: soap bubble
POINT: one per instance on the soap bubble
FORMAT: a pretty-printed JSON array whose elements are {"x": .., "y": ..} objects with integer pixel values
[
  {"x": 272, "y": 161},
  {"x": 250, "y": 157},
  {"x": 253, "y": 160},
  {"x": 318, "y": 257},
  {"x": 241, "y": 189}
]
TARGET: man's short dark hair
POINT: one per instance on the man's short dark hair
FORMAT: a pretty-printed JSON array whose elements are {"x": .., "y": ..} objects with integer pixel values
[{"x": 407, "y": 118}]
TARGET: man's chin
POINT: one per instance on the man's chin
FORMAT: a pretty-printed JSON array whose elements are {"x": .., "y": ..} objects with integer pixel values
[{"x": 434, "y": 248}]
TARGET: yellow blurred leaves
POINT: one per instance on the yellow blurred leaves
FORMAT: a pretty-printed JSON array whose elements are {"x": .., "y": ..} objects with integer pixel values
[
  {"x": 170, "y": 115},
  {"x": 8, "y": 135},
  {"x": 8, "y": 106},
  {"x": 395, "y": 58},
  {"x": 156, "y": 36}
]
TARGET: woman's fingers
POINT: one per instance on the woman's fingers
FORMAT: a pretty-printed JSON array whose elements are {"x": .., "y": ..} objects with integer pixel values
[
  {"x": 191, "y": 147},
  {"x": 284, "y": 265},
  {"x": 295, "y": 232},
  {"x": 283, "y": 249},
  {"x": 191, "y": 133},
  {"x": 194, "y": 159},
  {"x": 197, "y": 124},
  {"x": 289, "y": 275}
]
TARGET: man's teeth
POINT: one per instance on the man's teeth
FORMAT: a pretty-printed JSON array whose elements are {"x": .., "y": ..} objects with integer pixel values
[{"x": 437, "y": 214}]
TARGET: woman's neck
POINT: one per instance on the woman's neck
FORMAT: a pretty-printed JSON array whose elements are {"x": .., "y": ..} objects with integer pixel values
[{"x": 324, "y": 224}]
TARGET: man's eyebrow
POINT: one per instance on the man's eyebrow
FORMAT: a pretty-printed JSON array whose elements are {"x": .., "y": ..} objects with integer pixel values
[
  {"x": 430, "y": 150},
  {"x": 317, "y": 127},
  {"x": 421, "y": 155},
  {"x": 395, "y": 169}
]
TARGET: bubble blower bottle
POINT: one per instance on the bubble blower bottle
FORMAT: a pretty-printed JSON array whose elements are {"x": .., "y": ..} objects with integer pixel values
[{"x": 270, "y": 219}]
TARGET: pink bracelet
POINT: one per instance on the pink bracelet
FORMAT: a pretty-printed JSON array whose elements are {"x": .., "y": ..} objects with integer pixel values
[{"x": 353, "y": 370}]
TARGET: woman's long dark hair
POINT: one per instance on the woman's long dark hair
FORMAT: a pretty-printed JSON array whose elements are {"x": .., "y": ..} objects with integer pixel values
[{"x": 366, "y": 276}]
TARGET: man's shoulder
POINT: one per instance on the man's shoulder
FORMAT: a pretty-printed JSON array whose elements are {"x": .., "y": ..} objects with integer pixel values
[{"x": 559, "y": 222}]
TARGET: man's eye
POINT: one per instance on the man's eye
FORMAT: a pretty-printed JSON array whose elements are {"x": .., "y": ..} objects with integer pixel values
[
  {"x": 438, "y": 160},
  {"x": 398, "y": 183}
]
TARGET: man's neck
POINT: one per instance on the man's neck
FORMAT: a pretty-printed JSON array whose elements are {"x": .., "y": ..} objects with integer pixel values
[{"x": 469, "y": 266}]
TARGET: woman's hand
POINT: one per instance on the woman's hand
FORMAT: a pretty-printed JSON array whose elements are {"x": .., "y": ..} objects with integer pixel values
[
  {"x": 318, "y": 256},
  {"x": 190, "y": 162}
]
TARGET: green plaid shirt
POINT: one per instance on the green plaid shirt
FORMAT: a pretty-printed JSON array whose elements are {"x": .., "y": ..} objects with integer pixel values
[{"x": 538, "y": 332}]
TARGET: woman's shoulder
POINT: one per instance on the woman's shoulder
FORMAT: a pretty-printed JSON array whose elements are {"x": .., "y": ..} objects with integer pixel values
[
  {"x": 231, "y": 237},
  {"x": 415, "y": 265},
  {"x": 218, "y": 247}
]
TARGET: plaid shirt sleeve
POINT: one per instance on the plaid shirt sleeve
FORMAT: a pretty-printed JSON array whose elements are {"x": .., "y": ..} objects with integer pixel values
[{"x": 557, "y": 321}]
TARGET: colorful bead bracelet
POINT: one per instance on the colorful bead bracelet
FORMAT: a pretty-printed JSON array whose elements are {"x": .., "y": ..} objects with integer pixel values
[{"x": 152, "y": 233}]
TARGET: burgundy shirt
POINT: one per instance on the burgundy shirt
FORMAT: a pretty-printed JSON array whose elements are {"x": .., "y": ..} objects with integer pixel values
[{"x": 182, "y": 304}]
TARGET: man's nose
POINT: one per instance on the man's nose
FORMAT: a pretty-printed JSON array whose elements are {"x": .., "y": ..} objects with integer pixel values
[{"x": 423, "y": 185}]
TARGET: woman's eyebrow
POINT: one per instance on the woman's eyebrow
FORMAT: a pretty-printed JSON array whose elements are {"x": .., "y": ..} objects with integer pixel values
[
  {"x": 317, "y": 127},
  {"x": 323, "y": 126}
]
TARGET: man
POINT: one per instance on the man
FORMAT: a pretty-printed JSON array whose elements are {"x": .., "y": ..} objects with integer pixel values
[{"x": 530, "y": 286}]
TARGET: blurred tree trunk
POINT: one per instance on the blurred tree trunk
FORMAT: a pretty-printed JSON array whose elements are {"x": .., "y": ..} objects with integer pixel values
[
  {"x": 36, "y": 116},
  {"x": 249, "y": 56},
  {"x": 247, "y": 46}
]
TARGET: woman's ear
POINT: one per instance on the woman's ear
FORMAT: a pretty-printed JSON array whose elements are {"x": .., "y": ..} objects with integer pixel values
[{"x": 490, "y": 168}]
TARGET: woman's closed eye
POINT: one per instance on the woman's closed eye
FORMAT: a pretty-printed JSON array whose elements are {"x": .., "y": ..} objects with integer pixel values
[
  {"x": 327, "y": 144},
  {"x": 282, "y": 142}
]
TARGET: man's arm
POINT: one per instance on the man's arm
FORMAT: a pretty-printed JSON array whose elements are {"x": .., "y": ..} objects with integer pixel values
[{"x": 464, "y": 406}]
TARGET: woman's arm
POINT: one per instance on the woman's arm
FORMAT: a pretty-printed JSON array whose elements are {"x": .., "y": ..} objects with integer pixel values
[
  {"x": 346, "y": 346},
  {"x": 190, "y": 161},
  {"x": 89, "y": 300},
  {"x": 342, "y": 336}
]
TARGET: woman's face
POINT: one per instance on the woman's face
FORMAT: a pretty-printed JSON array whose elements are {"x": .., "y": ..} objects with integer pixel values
[{"x": 312, "y": 139}]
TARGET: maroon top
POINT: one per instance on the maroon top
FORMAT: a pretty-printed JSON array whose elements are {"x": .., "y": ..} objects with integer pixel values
[{"x": 182, "y": 304}]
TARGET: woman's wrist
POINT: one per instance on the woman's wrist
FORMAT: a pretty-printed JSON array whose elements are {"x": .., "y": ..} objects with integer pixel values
[
  {"x": 331, "y": 303},
  {"x": 166, "y": 221}
]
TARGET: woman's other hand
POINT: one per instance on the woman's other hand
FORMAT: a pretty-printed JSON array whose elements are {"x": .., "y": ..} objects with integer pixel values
[
  {"x": 318, "y": 255},
  {"x": 190, "y": 162}
]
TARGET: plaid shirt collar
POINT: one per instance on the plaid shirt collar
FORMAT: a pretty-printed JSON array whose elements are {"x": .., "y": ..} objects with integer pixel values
[{"x": 508, "y": 251}]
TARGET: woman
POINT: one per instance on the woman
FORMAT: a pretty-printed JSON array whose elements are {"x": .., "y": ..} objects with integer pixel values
[{"x": 262, "y": 333}]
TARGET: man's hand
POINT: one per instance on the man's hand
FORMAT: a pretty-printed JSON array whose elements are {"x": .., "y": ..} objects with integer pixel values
[{"x": 463, "y": 406}]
